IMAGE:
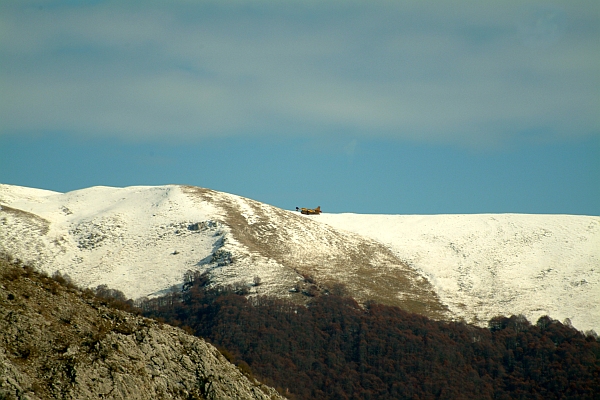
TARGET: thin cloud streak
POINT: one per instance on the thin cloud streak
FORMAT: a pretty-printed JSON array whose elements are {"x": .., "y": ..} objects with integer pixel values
[{"x": 461, "y": 73}]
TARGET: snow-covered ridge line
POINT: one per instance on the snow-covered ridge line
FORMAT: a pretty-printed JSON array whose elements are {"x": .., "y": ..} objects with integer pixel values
[
  {"x": 486, "y": 264},
  {"x": 134, "y": 239},
  {"x": 142, "y": 239}
]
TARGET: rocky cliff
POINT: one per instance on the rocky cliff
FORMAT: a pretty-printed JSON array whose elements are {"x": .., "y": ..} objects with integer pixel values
[{"x": 59, "y": 342}]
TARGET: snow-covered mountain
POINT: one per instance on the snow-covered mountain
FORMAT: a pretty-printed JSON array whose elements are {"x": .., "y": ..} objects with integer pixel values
[
  {"x": 142, "y": 239},
  {"x": 489, "y": 264}
]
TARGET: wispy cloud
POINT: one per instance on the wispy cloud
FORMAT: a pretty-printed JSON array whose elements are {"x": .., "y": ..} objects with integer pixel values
[{"x": 461, "y": 72}]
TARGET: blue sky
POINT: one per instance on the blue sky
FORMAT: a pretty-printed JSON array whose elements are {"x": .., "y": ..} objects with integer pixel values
[{"x": 412, "y": 107}]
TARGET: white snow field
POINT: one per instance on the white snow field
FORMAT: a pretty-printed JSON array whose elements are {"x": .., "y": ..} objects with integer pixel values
[
  {"x": 142, "y": 239},
  {"x": 484, "y": 265},
  {"x": 125, "y": 238}
]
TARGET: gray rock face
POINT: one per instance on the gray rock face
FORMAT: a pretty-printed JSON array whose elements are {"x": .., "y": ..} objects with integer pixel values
[{"x": 62, "y": 343}]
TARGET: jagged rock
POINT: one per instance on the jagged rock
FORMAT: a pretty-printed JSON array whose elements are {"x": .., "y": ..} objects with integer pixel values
[
  {"x": 201, "y": 226},
  {"x": 222, "y": 258},
  {"x": 61, "y": 343}
]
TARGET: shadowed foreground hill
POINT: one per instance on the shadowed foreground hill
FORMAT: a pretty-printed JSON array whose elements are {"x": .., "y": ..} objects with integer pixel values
[
  {"x": 57, "y": 342},
  {"x": 335, "y": 349}
]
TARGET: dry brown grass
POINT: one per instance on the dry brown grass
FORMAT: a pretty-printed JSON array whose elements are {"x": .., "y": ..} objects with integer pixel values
[
  {"x": 34, "y": 222},
  {"x": 368, "y": 269}
]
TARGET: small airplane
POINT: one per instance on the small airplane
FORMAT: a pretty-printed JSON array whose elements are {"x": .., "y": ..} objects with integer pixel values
[{"x": 309, "y": 211}]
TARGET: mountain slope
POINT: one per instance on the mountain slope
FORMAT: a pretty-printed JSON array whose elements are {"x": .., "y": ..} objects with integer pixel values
[
  {"x": 141, "y": 240},
  {"x": 59, "y": 343},
  {"x": 489, "y": 264}
]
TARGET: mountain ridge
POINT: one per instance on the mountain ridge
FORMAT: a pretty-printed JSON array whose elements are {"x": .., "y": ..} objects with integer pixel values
[{"x": 142, "y": 239}]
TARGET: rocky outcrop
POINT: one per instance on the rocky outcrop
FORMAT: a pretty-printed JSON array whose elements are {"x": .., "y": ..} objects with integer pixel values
[{"x": 59, "y": 342}]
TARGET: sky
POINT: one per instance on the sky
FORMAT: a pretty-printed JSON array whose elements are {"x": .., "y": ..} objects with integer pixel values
[{"x": 396, "y": 107}]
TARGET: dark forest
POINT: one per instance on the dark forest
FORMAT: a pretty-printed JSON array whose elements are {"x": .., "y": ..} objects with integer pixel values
[{"x": 333, "y": 348}]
